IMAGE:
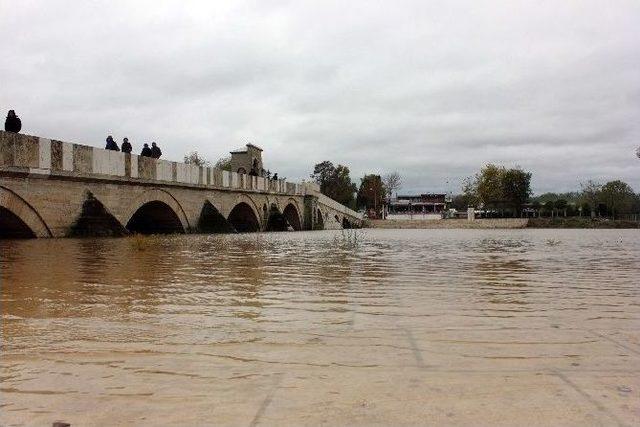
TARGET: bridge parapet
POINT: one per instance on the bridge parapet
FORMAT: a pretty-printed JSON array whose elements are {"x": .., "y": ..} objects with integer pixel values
[
  {"x": 36, "y": 156},
  {"x": 338, "y": 207}
]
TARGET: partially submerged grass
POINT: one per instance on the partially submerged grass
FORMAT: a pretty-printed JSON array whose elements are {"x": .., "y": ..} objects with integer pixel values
[
  {"x": 350, "y": 238},
  {"x": 143, "y": 242}
]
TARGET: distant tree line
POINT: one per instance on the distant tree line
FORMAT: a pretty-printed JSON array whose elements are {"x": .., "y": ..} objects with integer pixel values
[
  {"x": 507, "y": 192},
  {"x": 611, "y": 199}
]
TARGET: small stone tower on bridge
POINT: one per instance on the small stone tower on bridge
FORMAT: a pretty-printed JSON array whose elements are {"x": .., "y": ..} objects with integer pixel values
[{"x": 244, "y": 159}]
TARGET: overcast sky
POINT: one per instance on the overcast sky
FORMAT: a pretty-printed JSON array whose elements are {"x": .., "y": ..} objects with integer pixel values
[{"x": 431, "y": 89}]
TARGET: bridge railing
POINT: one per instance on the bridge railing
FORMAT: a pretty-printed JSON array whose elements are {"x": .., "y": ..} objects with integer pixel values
[
  {"x": 329, "y": 202},
  {"x": 41, "y": 156}
]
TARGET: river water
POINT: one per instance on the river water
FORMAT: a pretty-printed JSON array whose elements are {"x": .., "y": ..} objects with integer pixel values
[{"x": 367, "y": 327}]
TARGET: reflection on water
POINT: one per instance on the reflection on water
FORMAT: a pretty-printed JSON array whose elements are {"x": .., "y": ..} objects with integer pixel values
[{"x": 291, "y": 289}]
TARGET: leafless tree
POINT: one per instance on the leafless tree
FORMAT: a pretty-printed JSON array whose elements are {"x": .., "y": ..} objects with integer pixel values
[
  {"x": 591, "y": 194},
  {"x": 392, "y": 182},
  {"x": 193, "y": 158}
]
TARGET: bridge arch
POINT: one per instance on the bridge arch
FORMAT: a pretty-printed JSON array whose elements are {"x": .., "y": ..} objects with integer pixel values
[
  {"x": 156, "y": 211},
  {"x": 95, "y": 220},
  {"x": 292, "y": 215},
  {"x": 211, "y": 219},
  {"x": 319, "y": 225},
  {"x": 18, "y": 219},
  {"x": 346, "y": 223},
  {"x": 244, "y": 218}
]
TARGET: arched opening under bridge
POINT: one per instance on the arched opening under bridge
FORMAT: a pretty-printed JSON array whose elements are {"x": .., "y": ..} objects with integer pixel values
[
  {"x": 155, "y": 217},
  {"x": 95, "y": 220},
  {"x": 243, "y": 219},
  {"x": 276, "y": 220},
  {"x": 212, "y": 221},
  {"x": 13, "y": 227},
  {"x": 290, "y": 213},
  {"x": 319, "y": 225}
]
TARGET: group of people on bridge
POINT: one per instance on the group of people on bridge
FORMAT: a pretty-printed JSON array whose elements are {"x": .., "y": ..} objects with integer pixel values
[
  {"x": 153, "y": 151},
  {"x": 14, "y": 124}
]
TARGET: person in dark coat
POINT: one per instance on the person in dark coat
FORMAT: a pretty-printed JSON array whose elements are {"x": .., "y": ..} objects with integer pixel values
[
  {"x": 155, "y": 151},
  {"x": 146, "y": 151},
  {"x": 126, "y": 146},
  {"x": 13, "y": 123},
  {"x": 111, "y": 144}
]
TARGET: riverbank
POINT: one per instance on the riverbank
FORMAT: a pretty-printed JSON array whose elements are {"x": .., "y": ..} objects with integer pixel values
[
  {"x": 577, "y": 222},
  {"x": 447, "y": 223},
  {"x": 503, "y": 223}
]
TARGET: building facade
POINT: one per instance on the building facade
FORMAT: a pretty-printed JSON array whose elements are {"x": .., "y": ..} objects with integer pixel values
[{"x": 428, "y": 203}]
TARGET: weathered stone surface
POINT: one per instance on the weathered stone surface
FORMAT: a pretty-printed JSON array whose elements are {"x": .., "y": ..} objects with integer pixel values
[
  {"x": 56, "y": 155},
  {"x": 7, "y": 143},
  {"x": 82, "y": 159},
  {"x": 27, "y": 153},
  {"x": 146, "y": 168}
]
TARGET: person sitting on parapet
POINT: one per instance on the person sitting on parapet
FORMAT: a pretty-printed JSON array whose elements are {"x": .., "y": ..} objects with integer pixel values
[
  {"x": 13, "y": 123},
  {"x": 155, "y": 151},
  {"x": 146, "y": 151},
  {"x": 111, "y": 144},
  {"x": 126, "y": 146}
]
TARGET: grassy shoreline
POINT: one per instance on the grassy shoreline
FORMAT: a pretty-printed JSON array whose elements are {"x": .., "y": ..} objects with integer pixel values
[{"x": 577, "y": 222}]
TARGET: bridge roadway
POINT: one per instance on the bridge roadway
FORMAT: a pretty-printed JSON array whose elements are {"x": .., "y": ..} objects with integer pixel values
[{"x": 51, "y": 188}]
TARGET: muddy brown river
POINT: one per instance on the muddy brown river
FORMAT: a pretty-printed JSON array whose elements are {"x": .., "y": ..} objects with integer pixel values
[{"x": 400, "y": 327}]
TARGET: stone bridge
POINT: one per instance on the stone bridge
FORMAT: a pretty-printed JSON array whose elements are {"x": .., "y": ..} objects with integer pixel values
[{"x": 52, "y": 188}]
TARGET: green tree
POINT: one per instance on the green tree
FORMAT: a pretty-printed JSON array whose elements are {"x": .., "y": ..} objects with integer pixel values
[
  {"x": 561, "y": 205},
  {"x": 497, "y": 187},
  {"x": 617, "y": 196},
  {"x": 323, "y": 174},
  {"x": 335, "y": 182},
  {"x": 516, "y": 188},
  {"x": 470, "y": 192},
  {"x": 371, "y": 193},
  {"x": 489, "y": 186},
  {"x": 549, "y": 208},
  {"x": 585, "y": 209}
]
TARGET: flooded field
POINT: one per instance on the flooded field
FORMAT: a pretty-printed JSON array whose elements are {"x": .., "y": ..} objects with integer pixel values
[{"x": 382, "y": 327}]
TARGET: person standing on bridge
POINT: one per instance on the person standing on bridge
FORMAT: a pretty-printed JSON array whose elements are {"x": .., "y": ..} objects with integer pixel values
[
  {"x": 155, "y": 151},
  {"x": 13, "y": 123},
  {"x": 111, "y": 144},
  {"x": 126, "y": 146},
  {"x": 146, "y": 151}
]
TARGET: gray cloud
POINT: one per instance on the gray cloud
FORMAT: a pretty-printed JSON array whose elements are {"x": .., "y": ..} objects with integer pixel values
[{"x": 431, "y": 89}]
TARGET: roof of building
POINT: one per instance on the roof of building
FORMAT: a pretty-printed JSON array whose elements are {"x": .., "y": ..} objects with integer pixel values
[
  {"x": 245, "y": 149},
  {"x": 413, "y": 196}
]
